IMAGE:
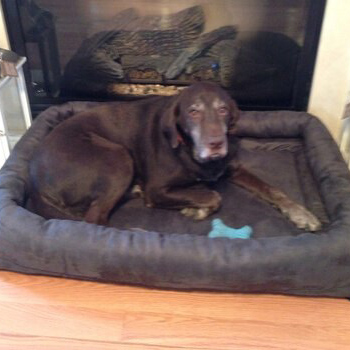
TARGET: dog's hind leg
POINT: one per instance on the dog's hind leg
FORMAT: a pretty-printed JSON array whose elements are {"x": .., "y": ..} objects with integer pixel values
[{"x": 114, "y": 176}]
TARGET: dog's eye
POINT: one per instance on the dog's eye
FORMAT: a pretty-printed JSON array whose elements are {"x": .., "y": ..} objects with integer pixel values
[
  {"x": 223, "y": 111},
  {"x": 194, "y": 113}
]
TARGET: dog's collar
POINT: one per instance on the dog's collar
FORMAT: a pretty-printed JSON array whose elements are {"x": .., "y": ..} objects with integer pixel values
[{"x": 180, "y": 139}]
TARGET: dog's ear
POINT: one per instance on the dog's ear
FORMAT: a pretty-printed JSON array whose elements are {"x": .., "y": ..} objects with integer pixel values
[
  {"x": 235, "y": 113},
  {"x": 169, "y": 121}
]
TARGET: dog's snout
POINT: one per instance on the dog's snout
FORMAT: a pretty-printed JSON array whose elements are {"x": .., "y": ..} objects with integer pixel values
[{"x": 215, "y": 148}]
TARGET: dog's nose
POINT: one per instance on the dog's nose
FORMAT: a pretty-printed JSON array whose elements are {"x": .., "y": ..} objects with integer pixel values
[{"x": 216, "y": 145}]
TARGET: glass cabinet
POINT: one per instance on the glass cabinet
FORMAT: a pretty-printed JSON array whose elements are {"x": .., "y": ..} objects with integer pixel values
[{"x": 15, "y": 115}]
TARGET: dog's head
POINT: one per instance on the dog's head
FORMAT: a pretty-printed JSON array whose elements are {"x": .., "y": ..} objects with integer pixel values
[{"x": 203, "y": 115}]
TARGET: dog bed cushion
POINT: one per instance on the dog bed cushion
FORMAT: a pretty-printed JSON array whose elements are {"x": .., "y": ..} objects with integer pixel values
[{"x": 161, "y": 248}]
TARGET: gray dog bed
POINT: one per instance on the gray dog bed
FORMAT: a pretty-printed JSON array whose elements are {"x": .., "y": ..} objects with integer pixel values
[{"x": 161, "y": 248}]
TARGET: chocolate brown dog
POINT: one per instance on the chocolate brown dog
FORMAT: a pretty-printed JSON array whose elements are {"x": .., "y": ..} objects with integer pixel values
[{"x": 170, "y": 145}]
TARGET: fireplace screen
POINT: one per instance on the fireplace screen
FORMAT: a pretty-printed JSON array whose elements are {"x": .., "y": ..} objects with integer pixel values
[{"x": 93, "y": 49}]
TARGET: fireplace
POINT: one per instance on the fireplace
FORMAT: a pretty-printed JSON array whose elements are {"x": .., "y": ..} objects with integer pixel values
[{"x": 262, "y": 52}]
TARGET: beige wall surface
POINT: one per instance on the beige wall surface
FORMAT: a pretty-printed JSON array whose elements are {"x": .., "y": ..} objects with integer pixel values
[
  {"x": 331, "y": 83},
  {"x": 4, "y": 43}
]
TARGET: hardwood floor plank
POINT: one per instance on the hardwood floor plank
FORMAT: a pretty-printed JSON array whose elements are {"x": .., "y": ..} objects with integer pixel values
[
  {"x": 110, "y": 297},
  {"x": 55, "y": 313},
  {"x": 60, "y": 322},
  {"x": 46, "y": 343},
  {"x": 241, "y": 333}
]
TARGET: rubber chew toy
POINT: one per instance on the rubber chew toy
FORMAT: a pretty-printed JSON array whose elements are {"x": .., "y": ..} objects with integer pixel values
[{"x": 219, "y": 229}]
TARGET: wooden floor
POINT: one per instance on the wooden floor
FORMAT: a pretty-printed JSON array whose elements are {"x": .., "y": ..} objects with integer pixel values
[{"x": 43, "y": 313}]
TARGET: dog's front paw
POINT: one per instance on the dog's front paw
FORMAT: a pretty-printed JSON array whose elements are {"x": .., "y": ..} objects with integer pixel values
[
  {"x": 210, "y": 205},
  {"x": 196, "y": 213},
  {"x": 301, "y": 217}
]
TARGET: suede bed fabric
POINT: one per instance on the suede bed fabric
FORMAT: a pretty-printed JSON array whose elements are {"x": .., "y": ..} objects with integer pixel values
[{"x": 160, "y": 248}]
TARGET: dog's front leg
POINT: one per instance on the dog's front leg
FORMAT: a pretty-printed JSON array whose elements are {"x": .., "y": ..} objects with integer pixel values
[
  {"x": 298, "y": 214},
  {"x": 194, "y": 201}
]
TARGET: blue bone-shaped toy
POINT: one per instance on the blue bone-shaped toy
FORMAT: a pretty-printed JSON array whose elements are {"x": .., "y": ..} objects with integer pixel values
[{"x": 219, "y": 229}]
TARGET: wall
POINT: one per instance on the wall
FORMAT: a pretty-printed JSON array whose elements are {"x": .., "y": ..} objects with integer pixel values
[
  {"x": 331, "y": 83},
  {"x": 4, "y": 43}
]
